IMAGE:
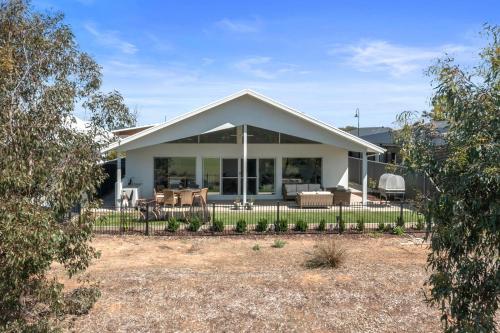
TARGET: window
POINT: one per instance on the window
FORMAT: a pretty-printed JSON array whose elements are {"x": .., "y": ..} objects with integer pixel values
[
  {"x": 266, "y": 176},
  {"x": 190, "y": 139},
  {"x": 211, "y": 174},
  {"x": 260, "y": 135},
  {"x": 285, "y": 138},
  {"x": 173, "y": 172},
  {"x": 302, "y": 170},
  {"x": 223, "y": 136}
]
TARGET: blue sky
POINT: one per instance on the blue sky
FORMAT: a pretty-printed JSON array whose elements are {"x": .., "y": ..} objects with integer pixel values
[{"x": 324, "y": 58}]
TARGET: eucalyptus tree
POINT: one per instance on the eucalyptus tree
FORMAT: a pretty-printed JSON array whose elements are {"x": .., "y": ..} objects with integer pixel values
[
  {"x": 463, "y": 164},
  {"x": 46, "y": 164}
]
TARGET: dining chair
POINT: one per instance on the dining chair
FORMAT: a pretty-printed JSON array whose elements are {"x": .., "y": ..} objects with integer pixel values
[
  {"x": 185, "y": 199},
  {"x": 202, "y": 196}
]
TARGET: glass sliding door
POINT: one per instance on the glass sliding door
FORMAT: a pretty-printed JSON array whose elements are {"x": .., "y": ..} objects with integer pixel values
[
  {"x": 211, "y": 174},
  {"x": 251, "y": 176},
  {"x": 266, "y": 175},
  {"x": 230, "y": 176},
  {"x": 174, "y": 172}
]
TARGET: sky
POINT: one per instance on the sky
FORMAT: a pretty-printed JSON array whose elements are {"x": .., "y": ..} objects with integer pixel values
[{"x": 324, "y": 58}]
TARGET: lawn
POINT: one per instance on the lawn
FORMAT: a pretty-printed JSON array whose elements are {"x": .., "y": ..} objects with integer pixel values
[{"x": 213, "y": 284}]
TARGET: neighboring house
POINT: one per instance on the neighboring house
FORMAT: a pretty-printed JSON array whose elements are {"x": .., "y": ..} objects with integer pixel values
[
  {"x": 126, "y": 132},
  {"x": 243, "y": 145},
  {"x": 382, "y": 137}
]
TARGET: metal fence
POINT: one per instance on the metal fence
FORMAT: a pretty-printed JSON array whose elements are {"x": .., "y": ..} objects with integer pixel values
[
  {"x": 415, "y": 183},
  {"x": 259, "y": 218}
]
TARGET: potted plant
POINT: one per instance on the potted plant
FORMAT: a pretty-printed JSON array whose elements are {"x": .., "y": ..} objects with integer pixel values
[
  {"x": 249, "y": 205},
  {"x": 237, "y": 203}
]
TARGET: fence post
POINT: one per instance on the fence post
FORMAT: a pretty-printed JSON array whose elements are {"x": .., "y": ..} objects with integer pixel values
[
  {"x": 213, "y": 212},
  {"x": 340, "y": 211},
  {"x": 147, "y": 219},
  {"x": 401, "y": 213},
  {"x": 277, "y": 211}
]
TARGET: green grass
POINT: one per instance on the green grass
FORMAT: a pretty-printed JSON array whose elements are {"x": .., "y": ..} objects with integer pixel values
[{"x": 230, "y": 218}]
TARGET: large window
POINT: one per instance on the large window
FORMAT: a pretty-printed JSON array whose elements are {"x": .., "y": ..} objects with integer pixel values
[
  {"x": 302, "y": 170},
  {"x": 174, "y": 172},
  {"x": 211, "y": 174},
  {"x": 260, "y": 135},
  {"x": 266, "y": 176},
  {"x": 222, "y": 136}
]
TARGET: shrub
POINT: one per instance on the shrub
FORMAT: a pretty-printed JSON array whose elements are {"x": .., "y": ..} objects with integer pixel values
[
  {"x": 278, "y": 243},
  {"x": 218, "y": 226},
  {"x": 360, "y": 224},
  {"x": 262, "y": 225},
  {"x": 194, "y": 224},
  {"x": 420, "y": 223},
  {"x": 300, "y": 225},
  {"x": 381, "y": 226},
  {"x": 400, "y": 222},
  {"x": 80, "y": 301},
  {"x": 256, "y": 247},
  {"x": 241, "y": 226},
  {"x": 326, "y": 255},
  {"x": 281, "y": 225},
  {"x": 341, "y": 226},
  {"x": 322, "y": 225},
  {"x": 173, "y": 225},
  {"x": 398, "y": 230}
]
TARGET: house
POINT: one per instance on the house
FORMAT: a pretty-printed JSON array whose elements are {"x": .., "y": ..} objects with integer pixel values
[
  {"x": 381, "y": 136},
  {"x": 243, "y": 145}
]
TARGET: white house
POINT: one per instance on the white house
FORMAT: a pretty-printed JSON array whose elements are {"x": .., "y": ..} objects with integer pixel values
[{"x": 243, "y": 145}]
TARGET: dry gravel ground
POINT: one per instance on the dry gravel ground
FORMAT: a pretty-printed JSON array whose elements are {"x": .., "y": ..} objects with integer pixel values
[{"x": 160, "y": 284}]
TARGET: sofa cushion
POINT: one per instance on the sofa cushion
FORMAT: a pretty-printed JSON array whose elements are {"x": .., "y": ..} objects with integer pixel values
[
  {"x": 290, "y": 188},
  {"x": 302, "y": 188},
  {"x": 314, "y": 187}
]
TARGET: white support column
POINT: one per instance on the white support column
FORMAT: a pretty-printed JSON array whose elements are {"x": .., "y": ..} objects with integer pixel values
[
  {"x": 118, "y": 184},
  {"x": 364, "y": 179},
  {"x": 244, "y": 164}
]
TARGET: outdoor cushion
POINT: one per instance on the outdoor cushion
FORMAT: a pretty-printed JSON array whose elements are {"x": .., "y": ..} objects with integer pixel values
[
  {"x": 291, "y": 188},
  {"x": 314, "y": 187},
  {"x": 302, "y": 187}
]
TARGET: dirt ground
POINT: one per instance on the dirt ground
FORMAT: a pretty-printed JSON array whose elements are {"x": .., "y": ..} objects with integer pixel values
[{"x": 160, "y": 284}]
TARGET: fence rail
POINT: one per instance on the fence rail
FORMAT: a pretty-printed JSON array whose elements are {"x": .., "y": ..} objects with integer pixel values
[{"x": 262, "y": 218}]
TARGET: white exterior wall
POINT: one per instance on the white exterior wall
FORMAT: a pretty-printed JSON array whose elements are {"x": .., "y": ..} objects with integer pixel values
[{"x": 140, "y": 162}]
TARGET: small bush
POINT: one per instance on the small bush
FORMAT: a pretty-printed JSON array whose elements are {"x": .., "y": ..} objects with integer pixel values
[
  {"x": 400, "y": 222},
  {"x": 262, "y": 225},
  {"x": 398, "y": 230},
  {"x": 360, "y": 224},
  {"x": 326, "y": 255},
  {"x": 300, "y": 226},
  {"x": 194, "y": 224},
  {"x": 341, "y": 226},
  {"x": 381, "y": 226},
  {"x": 80, "y": 301},
  {"x": 281, "y": 225},
  {"x": 278, "y": 243},
  {"x": 322, "y": 225},
  {"x": 218, "y": 226},
  {"x": 420, "y": 223},
  {"x": 241, "y": 226},
  {"x": 173, "y": 225},
  {"x": 256, "y": 247}
]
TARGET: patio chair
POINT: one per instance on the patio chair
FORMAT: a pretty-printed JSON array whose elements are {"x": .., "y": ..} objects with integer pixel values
[
  {"x": 170, "y": 199},
  {"x": 185, "y": 199},
  {"x": 202, "y": 196},
  {"x": 159, "y": 197}
]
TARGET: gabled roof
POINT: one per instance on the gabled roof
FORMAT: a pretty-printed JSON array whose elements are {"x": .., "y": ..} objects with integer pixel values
[{"x": 334, "y": 130}]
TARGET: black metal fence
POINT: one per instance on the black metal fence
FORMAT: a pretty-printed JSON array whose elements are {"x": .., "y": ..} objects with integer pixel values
[{"x": 261, "y": 218}]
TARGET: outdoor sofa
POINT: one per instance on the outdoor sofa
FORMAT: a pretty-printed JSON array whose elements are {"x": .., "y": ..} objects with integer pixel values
[{"x": 290, "y": 191}]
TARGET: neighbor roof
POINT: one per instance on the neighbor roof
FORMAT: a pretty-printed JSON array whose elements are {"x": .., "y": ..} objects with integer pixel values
[{"x": 370, "y": 146}]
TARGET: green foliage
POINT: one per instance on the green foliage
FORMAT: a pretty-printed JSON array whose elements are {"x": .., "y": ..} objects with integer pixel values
[
  {"x": 256, "y": 247},
  {"x": 398, "y": 230},
  {"x": 360, "y": 224},
  {"x": 400, "y": 222},
  {"x": 278, "y": 243},
  {"x": 381, "y": 226},
  {"x": 322, "y": 225},
  {"x": 262, "y": 225},
  {"x": 300, "y": 225},
  {"x": 218, "y": 226},
  {"x": 326, "y": 255},
  {"x": 462, "y": 164},
  {"x": 342, "y": 226},
  {"x": 81, "y": 300},
  {"x": 281, "y": 225},
  {"x": 420, "y": 223},
  {"x": 46, "y": 165},
  {"x": 241, "y": 226},
  {"x": 173, "y": 225},
  {"x": 194, "y": 224}
]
